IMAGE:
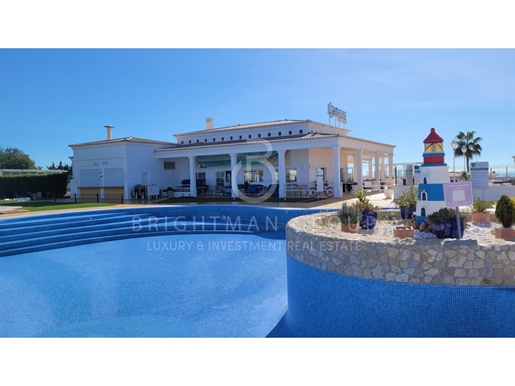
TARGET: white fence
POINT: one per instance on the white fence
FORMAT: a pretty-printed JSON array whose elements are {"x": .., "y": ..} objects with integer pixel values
[{"x": 493, "y": 192}]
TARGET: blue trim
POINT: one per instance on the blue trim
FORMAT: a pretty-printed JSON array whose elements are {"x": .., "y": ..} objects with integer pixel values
[
  {"x": 433, "y": 154},
  {"x": 434, "y": 192},
  {"x": 420, "y": 219}
]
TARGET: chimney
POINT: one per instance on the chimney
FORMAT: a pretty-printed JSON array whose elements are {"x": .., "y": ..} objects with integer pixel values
[
  {"x": 209, "y": 123},
  {"x": 109, "y": 131}
]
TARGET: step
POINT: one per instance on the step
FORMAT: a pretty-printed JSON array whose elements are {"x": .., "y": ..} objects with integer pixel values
[{"x": 56, "y": 239}]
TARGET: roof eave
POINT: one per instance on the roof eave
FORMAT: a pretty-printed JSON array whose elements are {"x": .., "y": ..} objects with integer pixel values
[{"x": 247, "y": 126}]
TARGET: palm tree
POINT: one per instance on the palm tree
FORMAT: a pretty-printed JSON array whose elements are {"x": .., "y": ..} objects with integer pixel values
[{"x": 468, "y": 142}]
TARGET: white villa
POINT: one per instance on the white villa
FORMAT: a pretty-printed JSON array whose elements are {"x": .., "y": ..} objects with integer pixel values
[{"x": 285, "y": 153}]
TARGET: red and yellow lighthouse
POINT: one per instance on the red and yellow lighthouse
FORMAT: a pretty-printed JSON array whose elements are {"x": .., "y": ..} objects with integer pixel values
[
  {"x": 434, "y": 173},
  {"x": 433, "y": 149}
]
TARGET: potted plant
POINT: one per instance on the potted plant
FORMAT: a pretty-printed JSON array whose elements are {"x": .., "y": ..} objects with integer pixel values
[
  {"x": 407, "y": 201},
  {"x": 349, "y": 216},
  {"x": 367, "y": 209},
  {"x": 479, "y": 211},
  {"x": 388, "y": 192},
  {"x": 169, "y": 192},
  {"x": 505, "y": 212},
  {"x": 439, "y": 223},
  {"x": 443, "y": 223}
]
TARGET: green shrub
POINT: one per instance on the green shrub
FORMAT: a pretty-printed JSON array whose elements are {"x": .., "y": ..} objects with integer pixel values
[
  {"x": 363, "y": 203},
  {"x": 443, "y": 215},
  {"x": 505, "y": 210},
  {"x": 408, "y": 198},
  {"x": 480, "y": 205},
  {"x": 21, "y": 186},
  {"x": 348, "y": 214}
]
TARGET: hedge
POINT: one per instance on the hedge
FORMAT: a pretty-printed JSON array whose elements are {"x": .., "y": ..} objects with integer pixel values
[{"x": 23, "y": 186}]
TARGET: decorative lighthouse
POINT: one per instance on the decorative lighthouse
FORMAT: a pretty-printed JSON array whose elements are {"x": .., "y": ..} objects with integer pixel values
[{"x": 434, "y": 172}]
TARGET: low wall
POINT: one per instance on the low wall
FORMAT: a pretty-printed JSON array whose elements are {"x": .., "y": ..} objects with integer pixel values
[
  {"x": 493, "y": 193},
  {"x": 316, "y": 240},
  {"x": 356, "y": 285}
]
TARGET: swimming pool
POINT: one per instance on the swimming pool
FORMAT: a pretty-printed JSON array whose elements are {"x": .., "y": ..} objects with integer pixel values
[
  {"x": 189, "y": 271},
  {"x": 215, "y": 271}
]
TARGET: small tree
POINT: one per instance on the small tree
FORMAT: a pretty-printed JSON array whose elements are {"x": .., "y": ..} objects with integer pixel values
[
  {"x": 348, "y": 214},
  {"x": 60, "y": 167},
  {"x": 12, "y": 158},
  {"x": 505, "y": 211},
  {"x": 407, "y": 201}
]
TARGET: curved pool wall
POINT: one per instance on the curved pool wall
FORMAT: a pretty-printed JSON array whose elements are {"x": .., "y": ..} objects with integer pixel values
[
  {"x": 140, "y": 272},
  {"x": 349, "y": 285}
]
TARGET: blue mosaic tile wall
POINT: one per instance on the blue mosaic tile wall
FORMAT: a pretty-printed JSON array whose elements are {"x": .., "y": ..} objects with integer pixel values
[{"x": 323, "y": 304}]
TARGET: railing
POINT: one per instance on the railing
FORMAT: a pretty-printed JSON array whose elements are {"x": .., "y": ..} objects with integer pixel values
[
  {"x": 95, "y": 197},
  {"x": 297, "y": 190},
  {"x": 374, "y": 186}
]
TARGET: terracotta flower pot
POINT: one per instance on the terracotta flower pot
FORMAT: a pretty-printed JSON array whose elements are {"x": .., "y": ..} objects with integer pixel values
[
  {"x": 504, "y": 233},
  {"x": 402, "y": 232},
  {"x": 350, "y": 228},
  {"x": 480, "y": 217}
]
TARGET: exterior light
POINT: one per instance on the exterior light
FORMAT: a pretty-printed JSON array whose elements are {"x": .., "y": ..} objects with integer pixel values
[{"x": 454, "y": 144}]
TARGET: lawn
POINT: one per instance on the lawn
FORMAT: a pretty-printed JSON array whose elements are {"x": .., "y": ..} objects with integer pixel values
[
  {"x": 38, "y": 206},
  {"x": 200, "y": 200}
]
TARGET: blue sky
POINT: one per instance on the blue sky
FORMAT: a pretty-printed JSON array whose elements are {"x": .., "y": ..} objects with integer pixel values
[{"x": 50, "y": 98}]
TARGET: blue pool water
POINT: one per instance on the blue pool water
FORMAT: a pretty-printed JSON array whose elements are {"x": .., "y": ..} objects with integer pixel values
[
  {"x": 162, "y": 286},
  {"x": 164, "y": 272}
]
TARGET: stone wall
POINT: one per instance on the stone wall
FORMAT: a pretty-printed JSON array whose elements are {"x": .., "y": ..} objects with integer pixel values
[{"x": 316, "y": 240}]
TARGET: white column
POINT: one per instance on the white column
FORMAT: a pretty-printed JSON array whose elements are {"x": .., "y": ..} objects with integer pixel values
[
  {"x": 370, "y": 173},
  {"x": 193, "y": 176},
  {"x": 382, "y": 172},
  {"x": 359, "y": 168},
  {"x": 234, "y": 172},
  {"x": 377, "y": 172},
  {"x": 282, "y": 174},
  {"x": 337, "y": 185},
  {"x": 390, "y": 169}
]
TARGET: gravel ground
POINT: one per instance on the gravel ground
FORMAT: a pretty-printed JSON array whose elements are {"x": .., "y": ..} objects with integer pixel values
[{"x": 472, "y": 231}]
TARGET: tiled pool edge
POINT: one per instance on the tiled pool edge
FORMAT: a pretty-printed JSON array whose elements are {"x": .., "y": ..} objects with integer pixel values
[
  {"x": 351, "y": 292},
  {"x": 312, "y": 241}
]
